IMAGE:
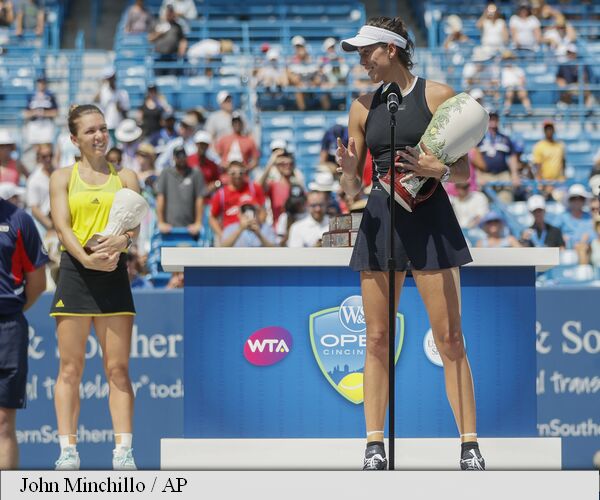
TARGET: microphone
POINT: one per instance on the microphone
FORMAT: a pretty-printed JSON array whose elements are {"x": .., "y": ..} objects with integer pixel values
[{"x": 391, "y": 93}]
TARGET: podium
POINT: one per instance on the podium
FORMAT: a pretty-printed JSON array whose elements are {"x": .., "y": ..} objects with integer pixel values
[{"x": 273, "y": 343}]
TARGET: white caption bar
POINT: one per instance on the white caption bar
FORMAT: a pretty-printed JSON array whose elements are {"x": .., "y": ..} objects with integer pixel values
[{"x": 416, "y": 485}]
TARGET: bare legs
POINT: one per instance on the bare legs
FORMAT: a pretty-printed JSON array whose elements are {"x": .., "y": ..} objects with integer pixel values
[{"x": 9, "y": 451}]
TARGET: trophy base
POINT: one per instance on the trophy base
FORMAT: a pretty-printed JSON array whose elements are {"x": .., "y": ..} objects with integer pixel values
[{"x": 339, "y": 239}]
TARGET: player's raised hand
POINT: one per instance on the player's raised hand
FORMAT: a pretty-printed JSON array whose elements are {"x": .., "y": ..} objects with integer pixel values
[{"x": 347, "y": 157}]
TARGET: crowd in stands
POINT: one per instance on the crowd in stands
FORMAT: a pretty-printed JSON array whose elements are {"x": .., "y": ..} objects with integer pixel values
[{"x": 208, "y": 184}]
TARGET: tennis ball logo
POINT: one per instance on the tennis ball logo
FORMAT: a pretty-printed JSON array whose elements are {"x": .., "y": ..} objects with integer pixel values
[
  {"x": 351, "y": 386},
  {"x": 268, "y": 346}
]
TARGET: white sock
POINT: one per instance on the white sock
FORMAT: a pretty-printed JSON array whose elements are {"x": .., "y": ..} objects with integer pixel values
[
  {"x": 65, "y": 441},
  {"x": 126, "y": 439}
]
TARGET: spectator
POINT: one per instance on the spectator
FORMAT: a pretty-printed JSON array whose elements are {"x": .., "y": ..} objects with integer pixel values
[
  {"x": 199, "y": 160},
  {"x": 295, "y": 209},
  {"x": 302, "y": 73},
  {"x": 549, "y": 156},
  {"x": 455, "y": 38},
  {"x": 176, "y": 281},
  {"x": 482, "y": 71},
  {"x": 237, "y": 146},
  {"x": 145, "y": 156},
  {"x": 329, "y": 142},
  {"x": 219, "y": 123},
  {"x": 271, "y": 73},
  {"x": 38, "y": 189},
  {"x": 167, "y": 131},
  {"x": 138, "y": 19},
  {"x": 227, "y": 200},
  {"x": 128, "y": 134},
  {"x": 154, "y": 106},
  {"x": 278, "y": 191},
  {"x": 576, "y": 224},
  {"x": 525, "y": 28},
  {"x": 65, "y": 150},
  {"x": 114, "y": 103},
  {"x": 560, "y": 36},
  {"x": 469, "y": 206},
  {"x": 513, "y": 81},
  {"x": 40, "y": 114},
  {"x": 595, "y": 246},
  {"x": 134, "y": 271},
  {"x": 568, "y": 77},
  {"x": 180, "y": 198},
  {"x": 22, "y": 280},
  {"x": 183, "y": 10},
  {"x": 494, "y": 33},
  {"x": 541, "y": 234},
  {"x": 186, "y": 130},
  {"x": 492, "y": 224},
  {"x": 169, "y": 41},
  {"x": 333, "y": 67},
  {"x": 30, "y": 17},
  {"x": 307, "y": 232},
  {"x": 115, "y": 156},
  {"x": 325, "y": 182},
  {"x": 496, "y": 159},
  {"x": 251, "y": 230},
  {"x": 207, "y": 53},
  {"x": 11, "y": 169},
  {"x": 7, "y": 16},
  {"x": 12, "y": 193}
]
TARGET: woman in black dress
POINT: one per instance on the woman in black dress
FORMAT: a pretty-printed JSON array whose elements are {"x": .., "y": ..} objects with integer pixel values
[{"x": 428, "y": 240}]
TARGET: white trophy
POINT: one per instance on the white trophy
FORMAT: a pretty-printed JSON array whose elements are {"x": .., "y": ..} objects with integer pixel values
[
  {"x": 457, "y": 126},
  {"x": 126, "y": 213}
]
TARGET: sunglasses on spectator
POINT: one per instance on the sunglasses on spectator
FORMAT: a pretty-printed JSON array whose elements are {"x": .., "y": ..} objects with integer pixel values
[
  {"x": 235, "y": 173},
  {"x": 317, "y": 205}
]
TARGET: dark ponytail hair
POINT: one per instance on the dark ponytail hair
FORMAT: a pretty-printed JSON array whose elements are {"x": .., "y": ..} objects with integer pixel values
[
  {"x": 396, "y": 25},
  {"x": 76, "y": 111}
]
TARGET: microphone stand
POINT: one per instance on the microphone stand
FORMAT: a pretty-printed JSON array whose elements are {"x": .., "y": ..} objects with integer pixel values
[{"x": 392, "y": 295}]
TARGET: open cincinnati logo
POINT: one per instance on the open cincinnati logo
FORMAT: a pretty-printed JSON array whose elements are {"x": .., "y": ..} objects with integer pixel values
[
  {"x": 268, "y": 346},
  {"x": 338, "y": 336}
]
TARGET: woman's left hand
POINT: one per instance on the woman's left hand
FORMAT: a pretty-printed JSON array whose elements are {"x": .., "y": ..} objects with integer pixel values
[
  {"x": 110, "y": 244},
  {"x": 422, "y": 165}
]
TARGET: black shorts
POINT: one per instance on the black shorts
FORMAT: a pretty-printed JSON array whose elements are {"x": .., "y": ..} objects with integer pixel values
[
  {"x": 14, "y": 340},
  {"x": 85, "y": 292}
]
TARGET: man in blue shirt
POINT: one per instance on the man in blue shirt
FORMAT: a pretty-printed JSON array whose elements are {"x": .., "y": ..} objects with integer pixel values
[
  {"x": 496, "y": 159},
  {"x": 576, "y": 224},
  {"x": 22, "y": 280}
]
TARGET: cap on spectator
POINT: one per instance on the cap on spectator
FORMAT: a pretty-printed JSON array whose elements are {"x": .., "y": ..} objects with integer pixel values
[
  {"x": 536, "y": 202},
  {"x": 8, "y": 190},
  {"x": 328, "y": 43},
  {"x": 494, "y": 114},
  {"x": 6, "y": 137},
  {"x": 476, "y": 94},
  {"x": 236, "y": 115},
  {"x": 594, "y": 183},
  {"x": 278, "y": 144},
  {"x": 222, "y": 96},
  {"x": 108, "y": 72},
  {"x": 264, "y": 47},
  {"x": 491, "y": 217},
  {"x": 179, "y": 150},
  {"x": 202, "y": 136},
  {"x": 273, "y": 54},
  {"x": 146, "y": 149},
  {"x": 454, "y": 24},
  {"x": 547, "y": 123},
  {"x": 298, "y": 40},
  {"x": 572, "y": 48},
  {"x": 577, "y": 191},
  {"x": 189, "y": 120},
  {"x": 41, "y": 78},
  {"x": 297, "y": 191},
  {"x": 128, "y": 131},
  {"x": 324, "y": 181}
]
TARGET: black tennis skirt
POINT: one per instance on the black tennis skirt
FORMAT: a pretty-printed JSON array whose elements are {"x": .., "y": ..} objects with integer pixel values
[
  {"x": 86, "y": 292},
  {"x": 429, "y": 238}
]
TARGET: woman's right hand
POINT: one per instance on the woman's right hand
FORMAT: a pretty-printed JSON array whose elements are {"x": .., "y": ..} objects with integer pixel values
[
  {"x": 347, "y": 158},
  {"x": 102, "y": 261}
]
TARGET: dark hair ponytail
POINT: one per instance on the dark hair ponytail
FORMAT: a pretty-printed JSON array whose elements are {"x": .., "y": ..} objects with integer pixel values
[{"x": 396, "y": 25}]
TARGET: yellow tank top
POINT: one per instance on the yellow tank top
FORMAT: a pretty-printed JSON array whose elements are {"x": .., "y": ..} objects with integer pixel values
[{"x": 90, "y": 204}]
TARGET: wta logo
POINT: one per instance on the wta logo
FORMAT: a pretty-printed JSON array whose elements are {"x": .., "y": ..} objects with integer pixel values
[{"x": 268, "y": 346}]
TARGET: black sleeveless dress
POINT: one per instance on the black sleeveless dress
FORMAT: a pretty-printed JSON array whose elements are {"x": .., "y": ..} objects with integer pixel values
[{"x": 428, "y": 238}]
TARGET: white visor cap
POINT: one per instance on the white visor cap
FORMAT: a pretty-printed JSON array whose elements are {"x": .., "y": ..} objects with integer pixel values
[{"x": 369, "y": 35}]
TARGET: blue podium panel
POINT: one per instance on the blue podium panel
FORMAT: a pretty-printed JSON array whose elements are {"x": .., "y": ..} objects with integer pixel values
[
  {"x": 156, "y": 371},
  {"x": 278, "y": 353}
]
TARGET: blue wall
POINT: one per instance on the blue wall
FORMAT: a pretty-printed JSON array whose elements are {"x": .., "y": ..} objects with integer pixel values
[{"x": 568, "y": 344}]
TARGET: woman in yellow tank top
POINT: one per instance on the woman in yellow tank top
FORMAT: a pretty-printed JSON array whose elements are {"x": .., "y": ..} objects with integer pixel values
[{"x": 93, "y": 285}]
